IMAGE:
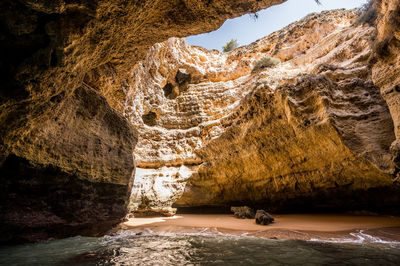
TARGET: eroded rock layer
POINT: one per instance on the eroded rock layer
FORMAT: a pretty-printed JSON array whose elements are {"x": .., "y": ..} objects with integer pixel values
[
  {"x": 64, "y": 65},
  {"x": 312, "y": 130},
  {"x": 66, "y": 76},
  {"x": 300, "y": 141},
  {"x": 386, "y": 59},
  {"x": 70, "y": 174}
]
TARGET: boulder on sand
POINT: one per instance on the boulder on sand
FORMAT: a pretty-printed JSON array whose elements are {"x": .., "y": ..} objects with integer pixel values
[
  {"x": 243, "y": 212},
  {"x": 263, "y": 217}
]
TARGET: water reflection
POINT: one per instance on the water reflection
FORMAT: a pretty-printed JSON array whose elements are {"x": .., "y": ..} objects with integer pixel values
[{"x": 130, "y": 249}]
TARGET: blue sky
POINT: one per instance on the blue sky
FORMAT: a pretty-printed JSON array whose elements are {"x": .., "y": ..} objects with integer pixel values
[{"x": 246, "y": 30}]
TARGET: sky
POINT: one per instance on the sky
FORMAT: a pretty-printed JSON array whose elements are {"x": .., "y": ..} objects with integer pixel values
[{"x": 247, "y": 30}]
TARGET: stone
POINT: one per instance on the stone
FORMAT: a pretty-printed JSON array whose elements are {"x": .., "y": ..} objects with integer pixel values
[
  {"x": 150, "y": 119},
  {"x": 243, "y": 212},
  {"x": 155, "y": 190},
  {"x": 182, "y": 76},
  {"x": 151, "y": 212},
  {"x": 170, "y": 91},
  {"x": 285, "y": 137},
  {"x": 263, "y": 217},
  {"x": 386, "y": 62},
  {"x": 76, "y": 81},
  {"x": 248, "y": 144},
  {"x": 71, "y": 174},
  {"x": 64, "y": 69},
  {"x": 183, "y": 79}
]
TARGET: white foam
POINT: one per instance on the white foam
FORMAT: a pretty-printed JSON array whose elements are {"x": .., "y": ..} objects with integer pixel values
[{"x": 358, "y": 238}]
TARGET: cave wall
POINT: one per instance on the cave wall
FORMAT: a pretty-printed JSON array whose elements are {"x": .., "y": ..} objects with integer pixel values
[
  {"x": 311, "y": 133},
  {"x": 54, "y": 45},
  {"x": 64, "y": 65},
  {"x": 386, "y": 61},
  {"x": 70, "y": 173},
  {"x": 301, "y": 148}
]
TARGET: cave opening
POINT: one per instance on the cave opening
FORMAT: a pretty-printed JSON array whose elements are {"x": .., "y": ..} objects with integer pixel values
[
  {"x": 194, "y": 89},
  {"x": 251, "y": 27},
  {"x": 279, "y": 111}
]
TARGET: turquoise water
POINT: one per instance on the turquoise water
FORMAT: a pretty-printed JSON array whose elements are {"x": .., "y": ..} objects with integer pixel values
[{"x": 198, "y": 249}]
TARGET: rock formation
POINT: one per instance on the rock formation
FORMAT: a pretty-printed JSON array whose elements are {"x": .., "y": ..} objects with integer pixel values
[
  {"x": 263, "y": 217},
  {"x": 65, "y": 152},
  {"x": 312, "y": 131},
  {"x": 243, "y": 212},
  {"x": 70, "y": 174},
  {"x": 386, "y": 61}
]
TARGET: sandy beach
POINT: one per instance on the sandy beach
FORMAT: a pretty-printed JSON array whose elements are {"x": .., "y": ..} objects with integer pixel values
[{"x": 288, "y": 226}]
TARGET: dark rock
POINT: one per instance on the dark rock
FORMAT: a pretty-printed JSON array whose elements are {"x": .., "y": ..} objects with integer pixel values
[
  {"x": 43, "y": 201},
  {"x": 183, "y": 79},
  {"x": 150, "y": 119},
  {"x": 71, "y": 175},
  {"x": 182, "y": 76},
  {"x": 243, "y": 212},
  {"x": 263, "y": 217},
  {"x": 170, "y": 91}
]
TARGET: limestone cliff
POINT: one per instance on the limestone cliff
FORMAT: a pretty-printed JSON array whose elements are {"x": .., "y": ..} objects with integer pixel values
[
  {"x": 65, "y": 152},
  {"x": 312, "y": 128},
  {"x": 386, "y": 59},
  {"x": 72, "y": 176},
  {"x": 70, "y": 69}
]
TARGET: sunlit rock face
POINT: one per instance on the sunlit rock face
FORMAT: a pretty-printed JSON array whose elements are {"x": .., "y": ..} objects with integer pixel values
[
  {"x": 311, "y": 131},
  {"x": 182, "y": 124},
  {"x": 386, "y": 61},
  {"x": 155, "y": 190},
  {"x": 64, "y": 65}
]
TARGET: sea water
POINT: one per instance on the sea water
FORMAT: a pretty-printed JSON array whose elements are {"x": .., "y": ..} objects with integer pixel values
[{"x": 129, "y": 248}]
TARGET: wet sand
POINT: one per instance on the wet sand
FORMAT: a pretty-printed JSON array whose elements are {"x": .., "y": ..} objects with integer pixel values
[{"x": 289, "y": 226}]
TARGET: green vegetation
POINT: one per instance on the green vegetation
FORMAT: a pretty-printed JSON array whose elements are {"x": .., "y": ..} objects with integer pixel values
[
  {"x": 229, "y": 46},
  {"x": 368, "y": 14},
  {"x": 266, "y": 62}
]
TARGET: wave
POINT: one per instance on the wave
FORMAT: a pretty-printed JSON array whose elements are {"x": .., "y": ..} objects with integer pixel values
[{"x": 359, "y": 238}]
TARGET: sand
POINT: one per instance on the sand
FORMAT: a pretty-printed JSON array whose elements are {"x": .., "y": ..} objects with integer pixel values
[{"x": 290, "y": 226}]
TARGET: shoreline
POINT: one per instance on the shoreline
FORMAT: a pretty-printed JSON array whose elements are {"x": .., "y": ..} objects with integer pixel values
[{"x": 325, "y": 227}]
